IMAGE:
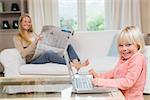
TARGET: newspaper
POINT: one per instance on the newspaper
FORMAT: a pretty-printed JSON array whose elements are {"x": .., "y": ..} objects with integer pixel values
[{"x": 54, "y": 39}]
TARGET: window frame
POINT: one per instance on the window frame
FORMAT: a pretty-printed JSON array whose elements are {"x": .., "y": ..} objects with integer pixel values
[{"x": 81, "y": 14}]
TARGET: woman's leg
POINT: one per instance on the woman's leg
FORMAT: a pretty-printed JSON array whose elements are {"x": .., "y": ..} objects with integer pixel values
[
  {"x": 72, "y": 54},
  {"x": 47, "y": 57}
]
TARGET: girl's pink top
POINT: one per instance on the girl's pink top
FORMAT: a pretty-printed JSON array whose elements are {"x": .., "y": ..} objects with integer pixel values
[{"x": 129, "y": 76}]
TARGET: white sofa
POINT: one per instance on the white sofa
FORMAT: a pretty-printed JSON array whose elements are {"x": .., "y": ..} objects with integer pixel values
[
  {"x": 91, "y": 45},
  {"x": 99, "y": 47}
]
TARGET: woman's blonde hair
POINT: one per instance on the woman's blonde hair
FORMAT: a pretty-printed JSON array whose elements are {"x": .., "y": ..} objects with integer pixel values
[
  {"x": 21, "y": 33},
  {"x": 132, "y": 35}
]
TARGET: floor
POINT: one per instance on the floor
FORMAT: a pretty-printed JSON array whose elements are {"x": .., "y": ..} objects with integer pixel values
[{"x": 146, "y": 96}]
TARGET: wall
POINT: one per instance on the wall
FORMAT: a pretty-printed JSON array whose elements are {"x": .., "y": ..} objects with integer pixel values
[{"x": 145, "y": 11}]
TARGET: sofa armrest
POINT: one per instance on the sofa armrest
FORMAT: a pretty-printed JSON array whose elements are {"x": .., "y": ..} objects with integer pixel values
[
  {"x": 147, "y": 85},
  {"x": 11, "y": 60}
]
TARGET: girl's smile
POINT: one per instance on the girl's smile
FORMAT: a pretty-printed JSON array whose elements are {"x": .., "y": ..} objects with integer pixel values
[{"x": 126, "y": 50}]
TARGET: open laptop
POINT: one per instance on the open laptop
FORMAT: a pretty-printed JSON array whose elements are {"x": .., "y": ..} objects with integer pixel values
[{"x": 82, "y": 83}]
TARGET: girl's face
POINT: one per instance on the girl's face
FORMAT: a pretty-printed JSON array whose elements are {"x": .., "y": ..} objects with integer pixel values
[
  {"x": 26, "y": 23},
  {"x": 127, "y": 49}
]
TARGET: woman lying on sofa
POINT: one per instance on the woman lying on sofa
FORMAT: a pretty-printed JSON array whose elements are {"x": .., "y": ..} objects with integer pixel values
[{"x": 26, "y": 41}]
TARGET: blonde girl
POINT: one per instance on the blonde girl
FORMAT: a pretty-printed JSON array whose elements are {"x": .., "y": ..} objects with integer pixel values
[{"x": 129, "y": 75}]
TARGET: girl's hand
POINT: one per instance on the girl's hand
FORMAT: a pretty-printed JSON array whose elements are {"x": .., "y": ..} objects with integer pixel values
[
  {"x": 93, "y": 73},
  {"x": 96, "y": 81}
]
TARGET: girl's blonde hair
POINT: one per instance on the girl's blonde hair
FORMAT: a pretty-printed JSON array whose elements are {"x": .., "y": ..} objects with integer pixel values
[
  {"x": 21, "y": 33},
  {"x": 132, "y": 35}
]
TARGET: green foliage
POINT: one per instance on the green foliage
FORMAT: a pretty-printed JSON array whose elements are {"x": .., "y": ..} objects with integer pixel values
[
  {"x": 69, "y": 23},
  {"x": 95, "y": 24}
]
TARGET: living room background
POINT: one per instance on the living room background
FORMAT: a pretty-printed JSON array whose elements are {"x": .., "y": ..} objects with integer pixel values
[{"x": 111, "y": 14}]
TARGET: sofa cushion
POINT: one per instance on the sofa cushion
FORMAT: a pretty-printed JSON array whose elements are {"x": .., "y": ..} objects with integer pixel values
[
  {"x": 113, "y": 51},
  {"x": 98, "y": 64},
  {"x": 43, "y": 69},
  {"x": 102, "y": 64},
  {"x": 93, "y": 44}
]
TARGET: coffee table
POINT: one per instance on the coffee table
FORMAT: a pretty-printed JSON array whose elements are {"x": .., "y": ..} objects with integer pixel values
[{"x": 46, "y": 87}]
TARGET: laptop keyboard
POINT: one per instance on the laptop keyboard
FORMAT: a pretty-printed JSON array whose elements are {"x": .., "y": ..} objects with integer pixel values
[{"x": 84, "y": 83}]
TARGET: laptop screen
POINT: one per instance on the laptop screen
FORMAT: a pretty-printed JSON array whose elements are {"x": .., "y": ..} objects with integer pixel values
[{"x": 71, "y": 72}]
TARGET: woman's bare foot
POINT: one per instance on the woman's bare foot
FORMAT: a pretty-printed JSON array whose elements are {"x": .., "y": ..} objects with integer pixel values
[{"x": 77, "y": 64}]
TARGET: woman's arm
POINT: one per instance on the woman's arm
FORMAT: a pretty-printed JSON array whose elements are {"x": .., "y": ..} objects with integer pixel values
[{"x": 24, "y": 51}]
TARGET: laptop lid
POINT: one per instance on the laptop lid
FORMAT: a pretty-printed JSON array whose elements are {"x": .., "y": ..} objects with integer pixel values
[{"x": 71, "y": 73}]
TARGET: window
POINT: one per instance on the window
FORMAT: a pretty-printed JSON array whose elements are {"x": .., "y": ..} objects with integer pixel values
[
  {"x": 68, "y": 14},
  {"x": 94, "y": 15},
  {"x": 81, "y": 14}
]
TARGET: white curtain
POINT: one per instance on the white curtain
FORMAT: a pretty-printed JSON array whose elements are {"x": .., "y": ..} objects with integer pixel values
[
  {"x": 121, "y": 13},
  {"x": 43, "y": 12}
]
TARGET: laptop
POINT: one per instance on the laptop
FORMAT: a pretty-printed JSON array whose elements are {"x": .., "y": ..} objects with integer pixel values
[{"x": 83, "y": 83}]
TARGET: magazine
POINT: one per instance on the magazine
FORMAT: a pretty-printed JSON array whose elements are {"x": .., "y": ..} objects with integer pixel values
[{"x": 54, "y": 39}]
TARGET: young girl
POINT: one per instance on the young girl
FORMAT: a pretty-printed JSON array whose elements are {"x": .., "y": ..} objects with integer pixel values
[
  {"x": 129, "y": 75},
  {"x": 26, "y": 41}
]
